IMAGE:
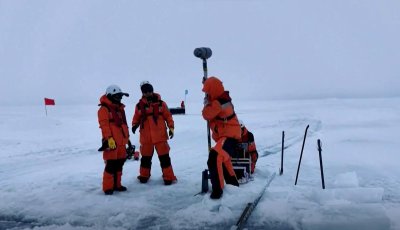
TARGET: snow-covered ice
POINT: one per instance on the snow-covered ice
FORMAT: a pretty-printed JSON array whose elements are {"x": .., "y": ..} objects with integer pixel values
[{"x": 51, "y": 172}]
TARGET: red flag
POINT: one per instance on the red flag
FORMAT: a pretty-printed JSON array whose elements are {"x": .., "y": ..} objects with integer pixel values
[{"x": 48, "y": 101}]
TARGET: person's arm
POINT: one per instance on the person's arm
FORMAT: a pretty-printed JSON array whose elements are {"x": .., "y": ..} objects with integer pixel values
[
  {"x": 104, "y": 122},
  {"x": 167, "y": 115},
  {"x": 252, "y": 148},
  {"x": 136, "y": 119},
  {"x": 211, "y": 110}
]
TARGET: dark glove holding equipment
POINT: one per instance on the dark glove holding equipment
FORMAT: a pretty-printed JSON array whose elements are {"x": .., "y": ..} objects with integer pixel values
[
  {"x": 171, "y": 133},
  {"x": 130, "y": 150},
  {"x": 205, "y": 101},
  {"x": 134, "y": 128}
]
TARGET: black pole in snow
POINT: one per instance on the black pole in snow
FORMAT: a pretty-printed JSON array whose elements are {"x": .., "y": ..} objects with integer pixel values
[
  {"x": 204, "y": 181},
  {"x": 301, "y": 154},
  {"x": 208, "y": 122},
  {"x": 204, "y": 53},
  {"x": 283, "y": 146},
  {"x": 320, "y": 164}
]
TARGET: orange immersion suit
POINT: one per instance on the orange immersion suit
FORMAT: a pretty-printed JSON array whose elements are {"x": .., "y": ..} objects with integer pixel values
[
  {"x": 113, "y": 124},
  {"x": 250, "y": 149},
  {"x": 225, "y": 127},
  {"x": 153, "y": 117}
]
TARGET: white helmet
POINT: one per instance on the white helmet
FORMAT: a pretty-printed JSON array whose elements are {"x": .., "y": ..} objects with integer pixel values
[
  {"x": 114, "y": 89},
  {"x": 144, "y": 83}
]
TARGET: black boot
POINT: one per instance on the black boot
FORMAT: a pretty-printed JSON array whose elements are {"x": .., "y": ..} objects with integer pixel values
[
  {"x": 143, "y": 180},
  {"x": 216, "y": 194},
  {"x": 109, "y": 192},
  {"x": 232, "y": 180},
  {"x": 167, "y": 182},
  {"x": 120, "y": 189}
]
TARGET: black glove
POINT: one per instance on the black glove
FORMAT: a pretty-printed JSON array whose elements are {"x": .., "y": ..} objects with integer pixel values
[
  {"x": 130, "y": 150},
  {"x": 134, "y": 128},
  {"x": 206, "y": 100},
  {"x": 171, "y": 133}
]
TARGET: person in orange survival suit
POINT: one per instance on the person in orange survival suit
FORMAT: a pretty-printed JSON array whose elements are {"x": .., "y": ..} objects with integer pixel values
[
  {"x": 153, "y": 116},
  {"x": 115, "y": 133},
  {"x": 218, "y": 110},
  {"x": 248, "y": 143}
]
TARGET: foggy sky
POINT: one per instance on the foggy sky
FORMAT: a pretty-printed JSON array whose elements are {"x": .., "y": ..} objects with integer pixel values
[{"x": 71, "y": 50}]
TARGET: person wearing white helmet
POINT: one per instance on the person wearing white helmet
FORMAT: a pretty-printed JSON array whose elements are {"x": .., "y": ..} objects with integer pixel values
[
  {"x": 153, "y": 117},
  {"x": 247, "y": 141},
  {"x": 115, "y": 136}
]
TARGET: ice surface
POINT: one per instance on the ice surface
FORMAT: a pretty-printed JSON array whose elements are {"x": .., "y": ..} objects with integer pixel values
[{"x": 51, "y": 172}]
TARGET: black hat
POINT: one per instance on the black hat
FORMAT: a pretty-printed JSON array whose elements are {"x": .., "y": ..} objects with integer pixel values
[{"x": 146, "y": 87}]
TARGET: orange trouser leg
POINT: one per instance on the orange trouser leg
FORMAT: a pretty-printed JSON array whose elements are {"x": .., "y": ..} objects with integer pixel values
[
  {"x": 147, "y": 151},
  {"x": 225, "y": 170},
  {"x": 253, "y": 166},
  {"x": 108, "y": 181},
  {"x": 166, "y": 167},
  {"x": 168, "y": 174},
  {"x": 216, "y": 182},
  {"x": 118, "y": 177},
  {"x": 229, "y": 173},
  {"x": 110, "y": 174},
  {"x": 165, "y": 161},
  {"x": 254, "y": 157},
  {"x": 220, "y": 171},
  {"x": 118, "y": 173},
  {"x": 144, "y": 172}
]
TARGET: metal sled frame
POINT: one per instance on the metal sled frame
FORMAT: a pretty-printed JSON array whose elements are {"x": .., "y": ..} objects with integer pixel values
[{"x": 242, "y": 164}]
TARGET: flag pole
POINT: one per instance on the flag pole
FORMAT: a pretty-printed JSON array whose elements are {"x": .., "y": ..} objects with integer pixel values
[{"x": 45, "y": 108}]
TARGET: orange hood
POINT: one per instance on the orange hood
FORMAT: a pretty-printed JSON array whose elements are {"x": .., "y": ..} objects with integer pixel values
[
  {"x": 104, "y": 100},
  {"x": 213, "y": 87}
]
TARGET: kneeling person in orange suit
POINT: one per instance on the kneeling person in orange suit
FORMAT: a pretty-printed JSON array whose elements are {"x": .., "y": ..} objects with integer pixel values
[
  {"x": 218, "y": 110},
  {"x": 247, "y": 141}
]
